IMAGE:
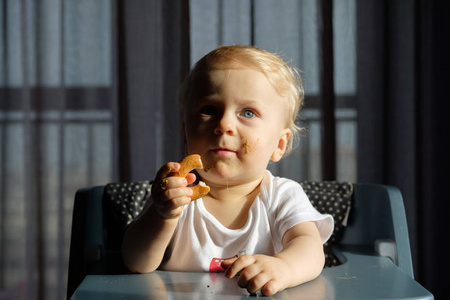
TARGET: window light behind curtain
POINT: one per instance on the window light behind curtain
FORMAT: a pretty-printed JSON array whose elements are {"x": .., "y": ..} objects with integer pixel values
[
  {"x": 55, "y": 133},
  {"x": 290, "y": 27}
]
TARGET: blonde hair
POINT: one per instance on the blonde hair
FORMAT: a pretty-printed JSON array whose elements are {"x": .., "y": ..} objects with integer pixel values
[{"x": 285, "y": 78}]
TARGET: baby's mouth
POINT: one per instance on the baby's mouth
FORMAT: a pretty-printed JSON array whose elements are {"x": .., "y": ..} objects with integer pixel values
[{"x": 225, "y": 152}]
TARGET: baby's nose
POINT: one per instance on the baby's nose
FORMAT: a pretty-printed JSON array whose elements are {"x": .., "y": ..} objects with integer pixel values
[
  {"x": 220, "y": 131},
  {"x": 225, "y": 126}
]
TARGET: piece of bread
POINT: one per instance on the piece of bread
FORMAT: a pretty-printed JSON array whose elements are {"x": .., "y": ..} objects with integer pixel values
[{"x": 187, "y": 165}]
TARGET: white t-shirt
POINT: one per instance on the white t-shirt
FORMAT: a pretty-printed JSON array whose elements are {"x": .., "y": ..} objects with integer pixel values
[{"x": 200, "y": 242}]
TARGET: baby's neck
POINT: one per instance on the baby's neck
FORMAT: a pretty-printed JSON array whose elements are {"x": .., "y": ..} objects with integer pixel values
[
  {"x": 230, "y": 204},
  {"x": 235, "y": 193}
]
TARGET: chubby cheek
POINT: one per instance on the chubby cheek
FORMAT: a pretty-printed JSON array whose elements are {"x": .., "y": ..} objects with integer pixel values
[
  {"x": 258, "y": 149},
  {"x": 193, "y": 145},
  {"x": 249, "y": 146},
  {"x": 192, "y": 137}
]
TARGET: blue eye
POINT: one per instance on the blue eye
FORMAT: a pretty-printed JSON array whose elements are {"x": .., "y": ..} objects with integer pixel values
[{"x": 249, "y": 114}]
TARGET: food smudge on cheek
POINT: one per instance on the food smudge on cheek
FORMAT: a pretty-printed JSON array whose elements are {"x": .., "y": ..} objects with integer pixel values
[{"x": 247, "y": 147}]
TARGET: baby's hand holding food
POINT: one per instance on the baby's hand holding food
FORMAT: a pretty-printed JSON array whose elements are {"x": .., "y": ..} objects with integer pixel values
[
  {"x": 170, "y": 191},
  {"x": 188, "y": 164}
]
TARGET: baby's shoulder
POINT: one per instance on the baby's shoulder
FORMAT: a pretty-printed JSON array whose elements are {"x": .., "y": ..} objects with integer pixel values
[
  {"x": 275, "y": 190},
  {"x": 275, "y": 184}
]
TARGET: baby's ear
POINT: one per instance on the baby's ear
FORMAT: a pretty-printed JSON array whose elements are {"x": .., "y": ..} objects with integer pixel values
[{"x": 282, "y": 144}]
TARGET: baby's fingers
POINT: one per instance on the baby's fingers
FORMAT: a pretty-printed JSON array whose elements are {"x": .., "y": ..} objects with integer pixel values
[
  {"x": 170, "y": 202},
  {"x": 227, "y": 263},
  {"x": 163, "y": 182},
  {"x": 237, "y": 265},
  {"x": 272, "y": 287},
  {"x": 166, "y": 170},
  {"x": 170, "y": 187}
]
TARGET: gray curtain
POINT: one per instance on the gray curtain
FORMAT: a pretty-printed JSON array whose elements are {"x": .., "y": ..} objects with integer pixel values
[
  {"x": 153, "y": 58},
  {"x": 86, "y": 90},
  {"x": 55, "y": 134},
  {"x": 403, "y": 119}
]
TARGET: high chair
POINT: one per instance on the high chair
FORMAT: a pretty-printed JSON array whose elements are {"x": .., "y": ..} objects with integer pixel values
[{"x": 368, "y": 255}]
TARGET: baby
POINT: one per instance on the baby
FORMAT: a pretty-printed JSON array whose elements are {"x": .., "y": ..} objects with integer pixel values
[{"x": 239, "y": 109}]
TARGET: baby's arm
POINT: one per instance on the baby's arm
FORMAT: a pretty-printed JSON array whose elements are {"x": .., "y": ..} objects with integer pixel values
[
  {"x": 301, "y": 260},
  {"x": 147, "y": 238}
]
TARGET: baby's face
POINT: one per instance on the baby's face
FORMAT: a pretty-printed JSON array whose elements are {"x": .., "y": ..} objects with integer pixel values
[{"x": 237, "y": 122}]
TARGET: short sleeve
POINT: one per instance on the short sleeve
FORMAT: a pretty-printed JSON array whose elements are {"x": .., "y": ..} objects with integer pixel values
[{"x": 289, "y": 206}]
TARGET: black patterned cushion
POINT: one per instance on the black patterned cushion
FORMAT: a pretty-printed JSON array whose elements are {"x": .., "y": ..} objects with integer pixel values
[
  {"x": 334, "y": 198},
  {"x": 127, "y": 199}
]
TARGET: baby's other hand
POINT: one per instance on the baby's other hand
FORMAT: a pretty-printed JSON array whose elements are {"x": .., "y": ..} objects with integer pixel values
[
  {"x": 170, "y": 193},
  {"x": 268, "y": 273}
]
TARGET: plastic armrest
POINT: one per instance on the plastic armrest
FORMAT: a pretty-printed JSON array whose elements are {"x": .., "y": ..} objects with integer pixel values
[{"x": 404, "y": 260}]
